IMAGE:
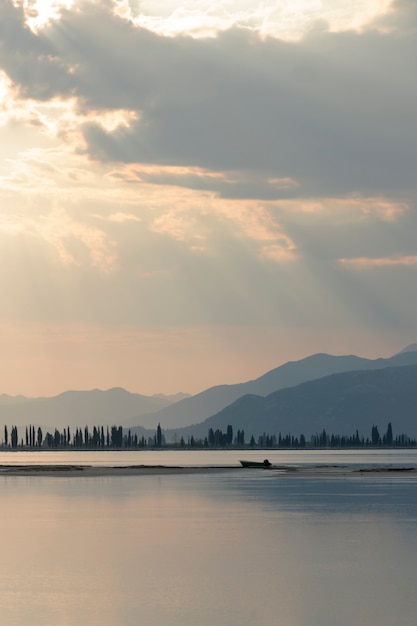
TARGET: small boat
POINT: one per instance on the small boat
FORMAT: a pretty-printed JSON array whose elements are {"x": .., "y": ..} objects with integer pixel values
[{"x": 265, "y": 463}]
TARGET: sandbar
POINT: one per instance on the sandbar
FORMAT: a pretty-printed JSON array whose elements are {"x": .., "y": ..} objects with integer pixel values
[
  {"x": 143, "y": 470},
  {"x": 98, "y": 470}
]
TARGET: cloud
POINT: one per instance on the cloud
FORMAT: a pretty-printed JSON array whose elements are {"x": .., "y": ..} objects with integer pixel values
[
  {"x": 29, "y": 60},
  {"x": 238, "y": 180},
  {"x": 226, "y": 184},
  {"x": 277, "y": 18},
  {"x": 333, "y": 112},
  {"x": 401, "y": 18},
  {"x": 38, "y": 13},
  {"x": 367, "y": 262}
]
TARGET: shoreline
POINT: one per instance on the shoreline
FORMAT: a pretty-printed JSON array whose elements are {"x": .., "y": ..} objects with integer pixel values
[
  {"x": 106, "y": 470},
  {"x": 146, "y": 470}
]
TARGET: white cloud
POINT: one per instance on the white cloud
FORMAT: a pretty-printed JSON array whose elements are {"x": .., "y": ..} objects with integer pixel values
[
  {"x": 283, "y": 19},
  {"x": 38, "y": 13}
]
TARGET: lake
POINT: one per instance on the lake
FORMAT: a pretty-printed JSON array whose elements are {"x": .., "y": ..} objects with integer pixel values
[
  {"x": 210, "y": 458},
  {"x": 235, "y": 548}
]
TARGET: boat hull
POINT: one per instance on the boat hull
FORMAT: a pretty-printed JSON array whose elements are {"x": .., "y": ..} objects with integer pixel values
[{"x": 263, "y": 464}]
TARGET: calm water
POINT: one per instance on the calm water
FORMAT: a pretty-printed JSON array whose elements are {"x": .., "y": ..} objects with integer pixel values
[
  {"x": 211, "y": 457},
  {"x": 232, "y": 548}
]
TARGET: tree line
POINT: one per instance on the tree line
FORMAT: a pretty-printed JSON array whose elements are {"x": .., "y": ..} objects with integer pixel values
[
  {"x": 319, "y": 440},
  {"x": 115, "y": 437},
  {"x": 98, "y": 437}
]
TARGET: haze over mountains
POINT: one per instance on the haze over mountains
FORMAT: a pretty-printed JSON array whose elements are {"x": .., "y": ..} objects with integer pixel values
[
  {"x": 340, "y": 393},
  {"x": 340, "y": 404},
  {"x": 205, "y": 404},
  {"x": 81, "y": 408}
]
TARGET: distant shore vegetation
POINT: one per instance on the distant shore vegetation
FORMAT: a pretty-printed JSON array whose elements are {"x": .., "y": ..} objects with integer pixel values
[{"x": 117, "y": 438}]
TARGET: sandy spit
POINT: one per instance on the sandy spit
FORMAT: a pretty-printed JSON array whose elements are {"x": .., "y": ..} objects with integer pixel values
[
  {"x": 143, "y": 470},
  {"x": 90, "y": 470}
]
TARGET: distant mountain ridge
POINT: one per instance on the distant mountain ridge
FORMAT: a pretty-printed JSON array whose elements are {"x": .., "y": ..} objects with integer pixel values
[
  {"x": 198, "y": 408},
  {"x": 6, "y": 399},
  {"x": 412, "y": 347},
  {"x": 340, "y": 404},
  {"x": 131, "y": 410},
  {"x": 80, "y": 408}
]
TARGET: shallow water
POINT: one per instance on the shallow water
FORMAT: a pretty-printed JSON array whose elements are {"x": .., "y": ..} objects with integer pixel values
[
  {"x": 244, "y": 547},
  {"x": 206, "y": 458}
]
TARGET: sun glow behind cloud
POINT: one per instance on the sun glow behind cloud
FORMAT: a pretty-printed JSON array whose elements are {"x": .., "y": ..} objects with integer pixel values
[
  {"x": 232, "y": 182},
  {"x": 203, "y": 18},
  {"x": 283, "y": 19},
  {"x": 39, "y": 12}
]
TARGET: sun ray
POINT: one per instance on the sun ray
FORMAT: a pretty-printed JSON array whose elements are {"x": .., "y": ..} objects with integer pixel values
[{"x": 38, "y": 13}]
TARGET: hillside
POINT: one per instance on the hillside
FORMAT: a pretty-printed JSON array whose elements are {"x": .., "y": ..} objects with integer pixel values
[
  {"x": 80, "y": 408},
  {"x": 340, "y": 403},
  {"x": 197, "y": 408},
  {"x": 118, "y": 406}
]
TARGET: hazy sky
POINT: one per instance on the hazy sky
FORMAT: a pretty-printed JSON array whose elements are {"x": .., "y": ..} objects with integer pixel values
[{"x": 192, "y": 193}]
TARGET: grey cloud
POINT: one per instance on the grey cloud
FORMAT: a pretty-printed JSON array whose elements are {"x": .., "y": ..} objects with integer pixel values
[
  {"x": 232, "y": 185},
  {"x": 335, "y": 111},
  {"x": 327, "y": 239},
  {"x": 402, "y": 17},
  {"x": 30, "y": 61}
]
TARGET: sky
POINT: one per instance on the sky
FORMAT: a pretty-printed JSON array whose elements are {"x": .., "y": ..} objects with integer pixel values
[{"x": 193, "y": 193}]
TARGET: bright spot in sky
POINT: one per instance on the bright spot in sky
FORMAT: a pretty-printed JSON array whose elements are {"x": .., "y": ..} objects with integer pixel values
[
  {"x": 178, "y": 213},
  {"x": 287, "y": 19},
  {"x": 40, "y": 12}
]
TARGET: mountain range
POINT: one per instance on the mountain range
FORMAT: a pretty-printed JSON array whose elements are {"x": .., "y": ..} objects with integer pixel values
[
  {"x": 339, "y": 393},
  {"x": 340, "y": 404},
  {"x": 199, "y": 407},
  {"x": 81, "y": 408}
]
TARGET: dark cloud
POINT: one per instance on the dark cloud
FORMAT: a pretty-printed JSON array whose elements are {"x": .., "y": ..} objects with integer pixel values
[
  {"x": 229, "y": 186},
  {"x": 31, "y": 61},
  {"x": 335, "y": 111}
]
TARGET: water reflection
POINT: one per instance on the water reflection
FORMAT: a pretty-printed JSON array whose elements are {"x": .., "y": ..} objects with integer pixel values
[{"x": 238, "y": 548}]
